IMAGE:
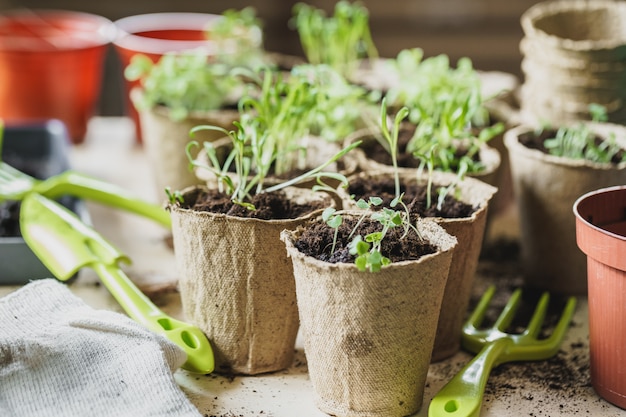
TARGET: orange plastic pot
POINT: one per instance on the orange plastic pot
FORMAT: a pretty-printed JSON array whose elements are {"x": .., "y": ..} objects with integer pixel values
[
  {"x": 601, "y": 235},
  {"x": 155, "y": 34},
  {"x": 51, "y": 66}
]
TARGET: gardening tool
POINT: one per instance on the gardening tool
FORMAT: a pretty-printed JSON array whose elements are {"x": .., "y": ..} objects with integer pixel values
[
  {"x": 462, "y": 396},
  {"x": 65, "y": 244},
  {"x": 15, "y": 185}
]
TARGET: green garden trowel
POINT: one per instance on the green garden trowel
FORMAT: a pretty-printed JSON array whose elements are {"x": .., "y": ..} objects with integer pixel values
[{"x": 65, "y": 244}]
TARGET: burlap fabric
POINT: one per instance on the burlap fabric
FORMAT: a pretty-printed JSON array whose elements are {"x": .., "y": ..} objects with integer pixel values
[
  {"x": 546, "y": 188},
  {"x": 237, "y": 285},
  {"x": 165, "y": 141},
  {"x": 368, "y": 337},
  {"x": 469, "y": 232}
]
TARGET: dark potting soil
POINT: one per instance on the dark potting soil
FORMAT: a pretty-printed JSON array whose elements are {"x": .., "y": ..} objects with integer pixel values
[
  {"x": 414, "y": 198},
  {"x": 317, "y": 240},
  {"x": 268, "y": 206}
]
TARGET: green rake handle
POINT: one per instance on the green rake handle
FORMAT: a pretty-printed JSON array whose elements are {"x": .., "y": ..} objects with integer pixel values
[{"x": 463, "y": 394}]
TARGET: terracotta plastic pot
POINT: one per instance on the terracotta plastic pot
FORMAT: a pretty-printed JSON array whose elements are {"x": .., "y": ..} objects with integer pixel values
[
  {"x": 155, "y": 34},
  {"x": 51, "y": 65},
  {"x": 601, "y": 235}
]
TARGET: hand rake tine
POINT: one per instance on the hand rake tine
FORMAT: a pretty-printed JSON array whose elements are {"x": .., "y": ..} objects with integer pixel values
[
  {"x": 477, "y": 316},
  {"x": 534, "y": 325},
  {"x": 554, "y": 341},
  {"x": 504, "y": 320}
]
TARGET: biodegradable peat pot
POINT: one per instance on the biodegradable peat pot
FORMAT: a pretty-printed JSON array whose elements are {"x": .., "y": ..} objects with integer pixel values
[
  {"x": 237, "y": 284},
  {"x": 165, "y": 141},
  {"x": 469, "y": 232},
  {"x": 574, "y": 55},
  {"x": 545, "y": 188},
  {"x": 51, "y": 65},
  {"x": 601, "y": 235},
  {"x": 368, "y": 336}
]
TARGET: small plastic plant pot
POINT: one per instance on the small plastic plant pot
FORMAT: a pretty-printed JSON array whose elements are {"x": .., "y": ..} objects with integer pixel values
[
  {"x": 155, "y": 34},
  {"x": 601, "y": 235},
  {"x": 51, "y": 66}
]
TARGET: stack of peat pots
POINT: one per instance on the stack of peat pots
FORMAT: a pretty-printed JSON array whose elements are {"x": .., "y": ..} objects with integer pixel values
[{"x": 574, "y": 54}]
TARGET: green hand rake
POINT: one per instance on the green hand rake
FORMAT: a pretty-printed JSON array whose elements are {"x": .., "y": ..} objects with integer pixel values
[{"x": 462, "y": 396}]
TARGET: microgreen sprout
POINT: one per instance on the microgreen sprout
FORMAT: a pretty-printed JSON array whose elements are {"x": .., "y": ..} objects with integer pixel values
[
  {"x": 174, "y": 197},
  {"x": 392, "y": 138},
  {"x": 339, "y": 40},
  {"x": 446, "y": 106},
  {"x": 184, "y": 82},
  {"x": 367, "y": 249},
  {"x": 579, "y": 141},
  {"x": 248, "y": 148},
  {"x": 333, "y": 221},
  {"x": 238, "y": 37}
]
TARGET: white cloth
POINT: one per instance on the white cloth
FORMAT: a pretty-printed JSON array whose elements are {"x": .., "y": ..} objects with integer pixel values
[{"x": 59, "y": 357}]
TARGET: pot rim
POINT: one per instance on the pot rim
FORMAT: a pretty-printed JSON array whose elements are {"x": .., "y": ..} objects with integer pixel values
[
  {"x": 596, "y": 242},
  {"x": 87, "y": 24},
  {"x": 549, "y": 9},
  {"x": 597, "y": 193},
  {"x": 129, "y": 26}
]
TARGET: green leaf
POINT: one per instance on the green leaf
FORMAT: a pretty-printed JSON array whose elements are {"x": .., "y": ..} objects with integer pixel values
[
  {"x": 374, "y": 237},
  {"x": 362, "y": 204},
  {"x": 335, "y": 221},
  {"x": 327, "y": 213}
]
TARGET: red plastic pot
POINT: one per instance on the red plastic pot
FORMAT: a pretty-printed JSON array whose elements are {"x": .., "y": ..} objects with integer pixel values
[
  {"x": 155, "y": 34},
  {"x": 601, "y": 235},
  {"x": 51, "y": 65}
]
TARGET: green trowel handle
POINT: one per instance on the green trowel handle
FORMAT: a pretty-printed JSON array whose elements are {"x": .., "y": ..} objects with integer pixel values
[
  {"x": 83, "y": 186},
  {"x": 140, "y": 308},
  {"x": 462, "y": 396}
]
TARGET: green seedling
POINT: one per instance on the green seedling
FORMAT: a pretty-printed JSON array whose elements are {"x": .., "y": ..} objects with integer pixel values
[
  {"x": 174, "y": 197},
  {"x": 391, "y": 138},
  {"x": 246, "y": 155},
  {"x": 446, "y": 105},
  {"x": 579, "y": 142},
  {"x": 333, "y": 221},
  {"x": 340, "y": 40}
]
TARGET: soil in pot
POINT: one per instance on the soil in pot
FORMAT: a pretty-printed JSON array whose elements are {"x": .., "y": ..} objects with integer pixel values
[
  {"x": 269, "y": 206},
  {"x": 318, "y": 237},
  {"x": 414, "y": 197}
]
